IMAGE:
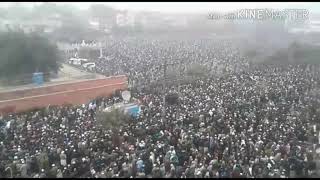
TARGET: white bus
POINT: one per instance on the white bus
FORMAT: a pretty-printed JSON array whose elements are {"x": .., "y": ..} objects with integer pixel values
[{"x": 77, "y": 61}]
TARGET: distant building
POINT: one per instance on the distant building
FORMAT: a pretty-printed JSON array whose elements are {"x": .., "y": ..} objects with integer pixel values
[
  {"x": 94, "y": 24},
  {"x": 176, "y": 20},
  {"x": 150, "y": 20},
  {"x": 125, "y": 18},
  {"x": 312, "y": 25},
  {"x": 104, "y": 25},
  {"x": 46, "y": 25}
]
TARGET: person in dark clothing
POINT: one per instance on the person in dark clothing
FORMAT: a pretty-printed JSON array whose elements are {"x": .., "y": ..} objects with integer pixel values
[{"x": 148, "y": 166}]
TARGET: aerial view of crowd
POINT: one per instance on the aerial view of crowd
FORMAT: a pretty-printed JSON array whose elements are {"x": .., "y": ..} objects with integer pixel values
[{"x": 248, "y": 121}]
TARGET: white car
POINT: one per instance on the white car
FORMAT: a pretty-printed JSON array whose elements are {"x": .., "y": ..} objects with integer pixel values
[{"x": 86, "y": 65}]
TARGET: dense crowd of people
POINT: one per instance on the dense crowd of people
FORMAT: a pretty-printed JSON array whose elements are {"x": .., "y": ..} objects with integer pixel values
[
  {"x": 250, "y": 121},
  {"x": 141, "y": 59}
]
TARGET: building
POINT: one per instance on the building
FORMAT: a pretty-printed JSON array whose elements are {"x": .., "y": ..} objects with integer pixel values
[
  {"x": 105, "y": 24},
  {"x": 176, "y": 20},
  {"x": 153, "y": 20},
  {"x": 94, "y": 24},
  {"x": 312, "y": 25},
  {"x": 46, "y": 25},
  {"x": 126, "y": 18}
]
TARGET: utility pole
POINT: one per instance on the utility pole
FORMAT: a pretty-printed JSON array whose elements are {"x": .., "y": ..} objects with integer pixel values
[
  {"x": 179, "y": 87},
  {"x": 164, "y": 88},
  {"x": 100, "y": 47},
  {"x": 165, "y": 67},
  {"x": 180, "y": 74}
]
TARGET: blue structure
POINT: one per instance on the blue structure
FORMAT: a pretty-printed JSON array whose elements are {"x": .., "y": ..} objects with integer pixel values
[
  {"x": 133, "y": 110},
  {"x": 37, "y": 78}
]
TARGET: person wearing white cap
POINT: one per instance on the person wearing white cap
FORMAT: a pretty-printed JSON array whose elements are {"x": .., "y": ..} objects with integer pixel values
[
  {"x": 59, "y": 174},
  {"x": 102, "y": 175},
  {"x": 42, "y": 174},
  {"x": 23, "y": 169},
  {"x": 63, "y": 159},
  {"x": 53, "y": 171}
]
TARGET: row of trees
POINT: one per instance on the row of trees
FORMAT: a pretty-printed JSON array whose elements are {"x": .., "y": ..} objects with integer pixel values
[
  {"x": 295, "y": 53},
  {"x": 23, "y": 54}
]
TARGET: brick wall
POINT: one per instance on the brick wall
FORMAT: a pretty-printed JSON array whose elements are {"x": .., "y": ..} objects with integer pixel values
[
  {"x": 70, "y": 93},
  {"x": 60, "y": 87}
]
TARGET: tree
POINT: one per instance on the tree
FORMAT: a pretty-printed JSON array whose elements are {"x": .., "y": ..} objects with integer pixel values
[
  {"x": 88, "y": 53},
  {"x": 251, "y": 53},
  {"x": 104, "y": 14},
  {"x": 197, "y": 70},
  {"x": 172, "y": 98},
  {"x": 112, "y": 119},
  {"x": 76, "y": 28},
  {"x": 296, "y": 53},
  {"x": 23, "y": 54},
  {"x": 71, "y": 31}
]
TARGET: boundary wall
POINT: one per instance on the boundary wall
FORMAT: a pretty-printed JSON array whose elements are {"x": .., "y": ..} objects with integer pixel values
[{"x": 73, "y": 93}]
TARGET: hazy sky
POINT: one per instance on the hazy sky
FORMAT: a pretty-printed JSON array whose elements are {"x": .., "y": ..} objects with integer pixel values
[{"x": 192, "y": 7}]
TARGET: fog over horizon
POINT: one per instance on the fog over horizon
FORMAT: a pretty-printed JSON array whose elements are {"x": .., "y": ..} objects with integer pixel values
[{"x": 184, "y": 7}]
